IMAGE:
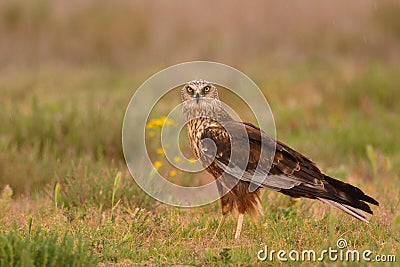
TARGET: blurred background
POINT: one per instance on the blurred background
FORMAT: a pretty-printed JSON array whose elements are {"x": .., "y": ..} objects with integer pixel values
[
  {"x": 141, "y": 35},
  {"x": 330, "y": 70}
]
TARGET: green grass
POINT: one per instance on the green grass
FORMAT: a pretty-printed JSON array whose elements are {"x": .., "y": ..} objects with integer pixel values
[
  {"x": 68, "y": 70},
  {"x": 61, "y": 157},
  {"x": 37, "y": 247}
]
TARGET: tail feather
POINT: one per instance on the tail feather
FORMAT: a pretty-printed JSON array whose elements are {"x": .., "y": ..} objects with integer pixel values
[
  {"x": 351, "y": 190},
  {"x": 348, "y": 209},
  {"x": 349, "y": 199},
  {"x": 343, "y": 196}
]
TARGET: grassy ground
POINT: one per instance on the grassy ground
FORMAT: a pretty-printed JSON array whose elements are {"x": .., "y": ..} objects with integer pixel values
[
  {"x": 67, "y": 72},
  {"x": 64, "y": 180}
]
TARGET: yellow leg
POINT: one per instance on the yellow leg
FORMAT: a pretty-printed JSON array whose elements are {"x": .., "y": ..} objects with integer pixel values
[
  {"x": 239, "y": 226},
  {"x": 221, "y": 222}
]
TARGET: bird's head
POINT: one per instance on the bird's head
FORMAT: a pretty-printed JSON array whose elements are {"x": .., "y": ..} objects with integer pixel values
[
  {"x": 198, "y": 90},
  {"x": 200, "y": 99}
]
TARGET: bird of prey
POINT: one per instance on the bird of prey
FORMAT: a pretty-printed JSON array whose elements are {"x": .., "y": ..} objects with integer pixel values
[{"x": 242, "y": 158}]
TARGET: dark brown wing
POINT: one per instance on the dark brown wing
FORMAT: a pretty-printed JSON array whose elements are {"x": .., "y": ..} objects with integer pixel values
[{"x": 247, "y": 153}]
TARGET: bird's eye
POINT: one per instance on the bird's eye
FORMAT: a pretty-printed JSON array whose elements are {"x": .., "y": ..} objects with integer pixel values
[
  {"x": 189, "y": 89},
  {"x": 207, "y": 89}
]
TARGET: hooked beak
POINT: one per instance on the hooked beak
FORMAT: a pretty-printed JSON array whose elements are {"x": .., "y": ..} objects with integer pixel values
[{"x": 197, "y": 98}]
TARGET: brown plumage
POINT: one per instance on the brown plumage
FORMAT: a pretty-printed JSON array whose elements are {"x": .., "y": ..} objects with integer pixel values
[{"x": 243, "y": 159}]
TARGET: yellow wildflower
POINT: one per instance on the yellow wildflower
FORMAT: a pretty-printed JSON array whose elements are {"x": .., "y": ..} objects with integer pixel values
[
  {"x": 177, "y": 159},
  {"x": 192, "y": 160},
  {"x": 158, "y": 123},
  {"x": 172, "y": 173},
  {"x": 160, "y": 151},
  {"x": 152, "y": 134},
  {"x": 157, "y": 164}
]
